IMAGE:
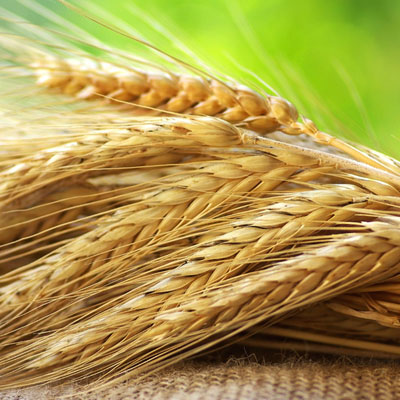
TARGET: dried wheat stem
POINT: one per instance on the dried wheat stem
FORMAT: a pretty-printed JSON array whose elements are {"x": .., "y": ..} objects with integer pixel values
[
  {"x": 322, "y": 319},
  {"x": 328, "y": 339},
  {"x": 367, "y": 169},
  {"x": 382, "y": 308}
]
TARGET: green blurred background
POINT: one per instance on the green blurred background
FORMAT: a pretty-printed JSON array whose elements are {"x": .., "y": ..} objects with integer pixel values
[{"x": 338, "y": 61}]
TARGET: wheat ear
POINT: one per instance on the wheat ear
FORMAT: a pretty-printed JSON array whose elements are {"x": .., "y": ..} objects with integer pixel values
[
  {"x": 143, "y": 145},
  {"x": 246, "y": 243},
  {"x": 217, "y": 313},
  {"x": 169, "y": 92},
  {"x": 37, "y": 175},
  {"x": 165, "y": 91}
]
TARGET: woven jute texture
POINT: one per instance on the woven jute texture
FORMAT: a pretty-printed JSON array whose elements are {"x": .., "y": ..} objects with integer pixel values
[{"x": 296, "y": 379}]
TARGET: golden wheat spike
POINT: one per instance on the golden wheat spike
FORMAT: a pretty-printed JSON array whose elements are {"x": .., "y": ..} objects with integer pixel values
[
  {"x": 34, "y": 176},
  {"x": 172, "y": 93},
  {"x": 146, "y": 143},
  {"x": 246, "y": 244},
  {"x": 167, "y": 92},
  {"x": 239, "y": 303}
]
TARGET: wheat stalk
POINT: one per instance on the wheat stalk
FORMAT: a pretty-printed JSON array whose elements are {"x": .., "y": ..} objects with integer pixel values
[
  {"x": 370, "y": 348},
  {"x": 321, "y": 318},
  {"x": 381, "y": 307}
]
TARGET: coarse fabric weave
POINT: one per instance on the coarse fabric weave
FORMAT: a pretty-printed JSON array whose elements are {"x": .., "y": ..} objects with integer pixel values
[{"x": 244, "y": 379}]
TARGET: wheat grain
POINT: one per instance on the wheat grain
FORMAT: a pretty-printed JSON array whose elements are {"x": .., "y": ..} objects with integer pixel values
[{"x": 169, "y": 92}]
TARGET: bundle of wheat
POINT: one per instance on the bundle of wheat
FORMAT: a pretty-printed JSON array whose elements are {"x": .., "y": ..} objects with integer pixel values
[{"x": 172, "y": 213}]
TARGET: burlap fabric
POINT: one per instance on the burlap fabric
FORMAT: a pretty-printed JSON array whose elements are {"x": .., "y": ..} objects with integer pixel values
[{"x": 296, "y": 379}]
